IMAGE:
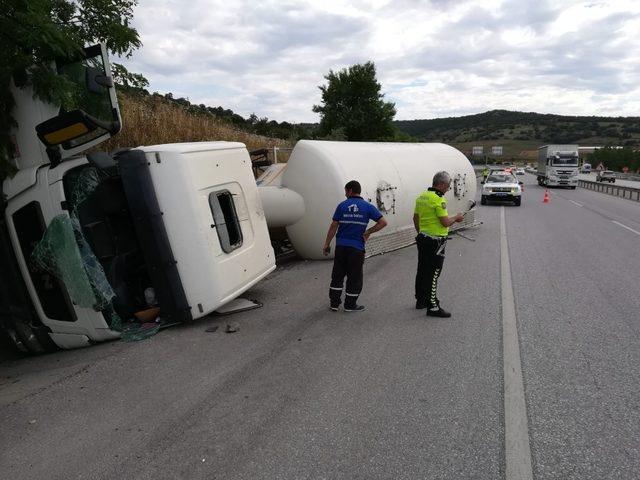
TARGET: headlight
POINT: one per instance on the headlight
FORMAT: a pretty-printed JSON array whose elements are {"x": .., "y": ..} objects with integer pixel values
[{"x": 514, "y": 190}]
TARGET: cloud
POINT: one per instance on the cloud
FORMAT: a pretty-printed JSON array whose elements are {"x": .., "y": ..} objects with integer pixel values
[{"x": 434, "y": 58}]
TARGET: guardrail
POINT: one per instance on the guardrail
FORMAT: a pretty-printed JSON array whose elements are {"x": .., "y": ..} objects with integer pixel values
[
  {"x": 628, "y": 176},
  {"x": 612, "y": 189}
]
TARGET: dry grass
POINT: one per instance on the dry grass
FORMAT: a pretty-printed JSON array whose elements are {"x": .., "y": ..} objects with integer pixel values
[{"x": 154, "y": 120}]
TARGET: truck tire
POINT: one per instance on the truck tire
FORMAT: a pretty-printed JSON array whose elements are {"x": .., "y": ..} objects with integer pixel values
[
  {"x": 30, "y": 339},
  {"x": 483, "y": 200},
  {"x": 613, "y": 181}
]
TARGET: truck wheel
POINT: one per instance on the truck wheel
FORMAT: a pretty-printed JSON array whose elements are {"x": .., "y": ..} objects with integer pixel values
[
  {"x": 613, "y": 181},
  {"x": 517, "y": 201},
  {"x": 483, "y": 200},
  {"x": 28, "y": 338}
]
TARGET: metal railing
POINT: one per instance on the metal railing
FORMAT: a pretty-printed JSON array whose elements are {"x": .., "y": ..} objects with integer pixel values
[{"x": 629, "y": 193}]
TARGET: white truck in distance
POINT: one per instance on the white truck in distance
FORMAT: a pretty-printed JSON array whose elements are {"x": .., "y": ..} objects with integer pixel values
[{"x": 558, "y": 166}]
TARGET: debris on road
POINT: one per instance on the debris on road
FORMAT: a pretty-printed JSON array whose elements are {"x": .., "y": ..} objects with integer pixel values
[{"x": 232, "y": 327}]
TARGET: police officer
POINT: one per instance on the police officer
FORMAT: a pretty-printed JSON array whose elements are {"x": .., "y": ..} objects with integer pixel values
[
  {"x": 350, "y": 222},
  {"x": 432, "y": 223},
  {"x": 485, "y": 173}
]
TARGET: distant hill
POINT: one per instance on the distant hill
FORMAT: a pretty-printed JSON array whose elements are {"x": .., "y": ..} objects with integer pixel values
[{"x": 520, "y": 133}]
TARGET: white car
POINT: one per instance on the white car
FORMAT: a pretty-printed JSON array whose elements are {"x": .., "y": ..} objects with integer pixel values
[
  {"x": 606, "y": 176},
  {"x": 519, "y": 171},
  {"x": 501, "y": 186}
]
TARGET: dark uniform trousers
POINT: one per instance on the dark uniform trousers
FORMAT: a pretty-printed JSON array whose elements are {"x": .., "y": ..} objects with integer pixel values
[
  {"x": 430, "y": 260},
  {"x": 347, "y": 261}
]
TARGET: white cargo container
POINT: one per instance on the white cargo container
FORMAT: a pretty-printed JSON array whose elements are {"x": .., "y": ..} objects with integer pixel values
[
  {"x": 558, "y": 166},
  {"x": 392, "y": 175}
]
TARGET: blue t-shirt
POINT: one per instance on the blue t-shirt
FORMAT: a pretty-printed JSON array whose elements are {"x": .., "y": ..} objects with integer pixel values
[{"x": 353, "y": 215}]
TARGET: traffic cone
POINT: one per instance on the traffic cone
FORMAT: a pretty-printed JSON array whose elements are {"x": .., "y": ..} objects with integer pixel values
[{"x": 546, "y": 196}]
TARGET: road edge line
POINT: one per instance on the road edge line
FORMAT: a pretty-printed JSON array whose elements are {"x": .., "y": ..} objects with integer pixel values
[
  {"x": 516, "y": 431},
  {"x": 624, "y": 226}
]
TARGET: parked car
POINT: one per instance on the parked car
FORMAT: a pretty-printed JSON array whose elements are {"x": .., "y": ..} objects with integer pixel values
[
  {"x": 606, "y": 176},
  {"x": 520, "y": 171},
  {"x": 501, "y": 186}
]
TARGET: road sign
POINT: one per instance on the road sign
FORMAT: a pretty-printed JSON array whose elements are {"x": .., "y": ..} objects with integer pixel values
[
  {"x": 496, "y": 150},
  {"x": 477, "y": 150}
]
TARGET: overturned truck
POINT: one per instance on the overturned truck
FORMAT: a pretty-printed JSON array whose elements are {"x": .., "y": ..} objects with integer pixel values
[
  {"x": 164, "y": 233},
  {"x": 169, "y": 233}
]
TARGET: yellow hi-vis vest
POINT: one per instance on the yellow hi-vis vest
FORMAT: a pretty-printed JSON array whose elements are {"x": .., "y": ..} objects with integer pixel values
[{"x": 429, "y": 207}]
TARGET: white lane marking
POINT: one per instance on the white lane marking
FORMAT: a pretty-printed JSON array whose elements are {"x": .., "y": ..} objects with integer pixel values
[
  {"x": 628, "y": 228},
  {"x": 516, "y": 431},
  {"x": 576, "y": 203}
]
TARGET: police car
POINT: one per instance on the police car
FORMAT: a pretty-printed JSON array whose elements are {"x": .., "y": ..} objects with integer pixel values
[{"x": 501, "y": 186}]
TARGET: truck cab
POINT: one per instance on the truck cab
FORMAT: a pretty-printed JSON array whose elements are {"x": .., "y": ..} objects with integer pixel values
[{"x": 85, "y": 237}]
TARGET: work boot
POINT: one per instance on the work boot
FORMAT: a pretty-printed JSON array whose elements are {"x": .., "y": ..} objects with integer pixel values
[
  {"x": 438, "y": 312},
  {"x": 355, "y": 308}
]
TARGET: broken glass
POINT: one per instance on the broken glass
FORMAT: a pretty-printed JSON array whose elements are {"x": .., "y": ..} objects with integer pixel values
[
  {"x": 85, "y": 183},
  {"x": 64, "y": 253}
]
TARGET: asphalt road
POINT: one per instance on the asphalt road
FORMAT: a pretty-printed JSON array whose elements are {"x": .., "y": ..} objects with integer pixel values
[
  {"x": 302, "y": 392},
  {"x": 575, "y": 276}
]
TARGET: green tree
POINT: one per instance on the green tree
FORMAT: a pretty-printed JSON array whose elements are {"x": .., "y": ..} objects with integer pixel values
[
  {"x": 615, "y": 158},
  {"x": 353, "y": 105},
  {"x": 35, "y": 32},
  {"x": 127, "y": 79}
]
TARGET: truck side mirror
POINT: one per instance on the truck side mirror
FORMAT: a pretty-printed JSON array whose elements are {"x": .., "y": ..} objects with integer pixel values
[
  {"x": 70, "y": 126},
  {"x": 97, "y": 81}
]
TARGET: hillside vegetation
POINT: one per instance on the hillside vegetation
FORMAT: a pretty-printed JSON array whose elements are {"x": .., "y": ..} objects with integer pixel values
[
  {"x": 520, "y": 133},
  {"x": 150, "y": 119},
  {"x": 154, "y": 119}
]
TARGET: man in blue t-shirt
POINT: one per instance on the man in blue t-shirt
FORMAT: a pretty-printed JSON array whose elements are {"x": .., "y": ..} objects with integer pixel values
[{"x": 350, "y": 222}]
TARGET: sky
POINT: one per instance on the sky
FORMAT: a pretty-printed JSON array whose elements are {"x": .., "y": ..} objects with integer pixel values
[{"x": 434, "y": 58}]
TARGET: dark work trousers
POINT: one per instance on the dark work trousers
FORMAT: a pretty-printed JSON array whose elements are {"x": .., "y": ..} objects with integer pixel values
[
  {"x": 430, "y": 260},
  {"x": 347, "y": 261}
]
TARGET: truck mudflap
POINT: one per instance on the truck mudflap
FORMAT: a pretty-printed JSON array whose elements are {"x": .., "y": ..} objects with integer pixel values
[
  {"x": 19, "y": 321},
  {"x": 152, "y": 236}
]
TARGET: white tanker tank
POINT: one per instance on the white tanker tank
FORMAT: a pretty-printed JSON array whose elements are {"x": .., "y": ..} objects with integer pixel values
[{"x": 304, "y": 194}]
